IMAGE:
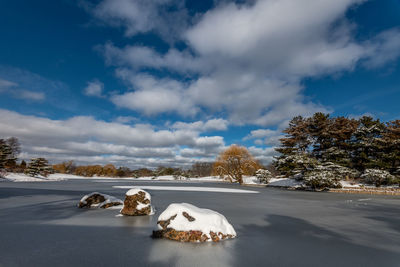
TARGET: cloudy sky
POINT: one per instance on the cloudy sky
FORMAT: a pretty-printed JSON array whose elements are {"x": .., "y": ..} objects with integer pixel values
[{"x": 144, "y": 83}]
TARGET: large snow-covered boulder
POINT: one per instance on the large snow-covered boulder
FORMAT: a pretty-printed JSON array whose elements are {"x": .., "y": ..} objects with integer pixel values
[
  {"x": 99, "y": 200},
  {"x": 187, "y": 223},
  {"x": 137, "y": 202}
]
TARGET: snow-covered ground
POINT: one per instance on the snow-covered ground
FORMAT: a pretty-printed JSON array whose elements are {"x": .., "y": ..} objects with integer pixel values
[
  {"x": 21, "y": 177},
  {"x": 188, "y": 188},
  {"x": 248, "y": 180}
]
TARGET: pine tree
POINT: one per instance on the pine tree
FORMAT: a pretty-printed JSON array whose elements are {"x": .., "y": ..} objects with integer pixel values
[
  {"x": 38, "y": 166},
  {"x": 391, "y": 146},
  {"x": 318, "y": 129},
  {"x": 296, "y": 141},
  {"x": 6, "y": 158},
  {"x": 340, "y": 131},
  {"x": 367, "y": 148}
]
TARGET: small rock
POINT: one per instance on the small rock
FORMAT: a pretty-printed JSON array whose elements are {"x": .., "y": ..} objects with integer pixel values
[
  {"x": 137, "y": 202},
  {"x": 99, "y": 200}
]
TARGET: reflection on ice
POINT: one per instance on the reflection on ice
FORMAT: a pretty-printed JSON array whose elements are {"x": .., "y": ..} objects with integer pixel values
[{"x": 174, "y": 253}]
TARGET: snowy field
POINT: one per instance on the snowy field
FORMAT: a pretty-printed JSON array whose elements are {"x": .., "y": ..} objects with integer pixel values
[{"x": 41, "y": 226}]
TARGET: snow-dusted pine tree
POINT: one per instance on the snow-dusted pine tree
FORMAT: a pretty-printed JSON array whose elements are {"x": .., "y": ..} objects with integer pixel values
[
  {"x": 38, "y": 166},
  {"x": 263, "y": 176},
  {"x": 6, "y": 157}
]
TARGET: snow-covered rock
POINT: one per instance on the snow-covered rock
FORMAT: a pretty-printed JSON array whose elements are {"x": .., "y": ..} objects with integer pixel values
[
  {"x": 99, "y": 200},
  {"x": 137, "y": 202},
  {"x": 187, "y": 223}
]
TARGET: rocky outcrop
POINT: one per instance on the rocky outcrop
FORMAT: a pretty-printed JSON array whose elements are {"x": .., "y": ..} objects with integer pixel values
[
  {"x": 137, "y": 202},
  {"x": 187, "y": 223},
  {"x": 99, "y": 200}
]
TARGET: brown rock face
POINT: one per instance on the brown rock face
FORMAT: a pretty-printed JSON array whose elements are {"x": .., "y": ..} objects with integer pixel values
[
  {"x": 186, "y": 236},
  {"x": 131, "y": 204}
]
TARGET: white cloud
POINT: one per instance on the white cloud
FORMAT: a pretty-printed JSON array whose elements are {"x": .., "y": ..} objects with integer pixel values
[
  {"x": 265, "y": 137},
  {"x": 385, "y": 47},
  {"x": 264, "y": 155},
  {"x": 94, "y": 88},
  {"x": 126, "y": 119},
  {"x": 87, "y": 140},
  {"x": 166, "y": 17},
  {"x": 248, "y": 60},
  {"x": 6, "y": 85},
  {"x": 201, "y": 126},
  {"x": 15, "y": 91},
  {"x": 153, "y": 96},
  {"x": 138, "y": 57}
]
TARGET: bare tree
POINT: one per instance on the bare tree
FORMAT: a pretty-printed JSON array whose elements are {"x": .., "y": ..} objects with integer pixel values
[{"x": 235, "y": 162}]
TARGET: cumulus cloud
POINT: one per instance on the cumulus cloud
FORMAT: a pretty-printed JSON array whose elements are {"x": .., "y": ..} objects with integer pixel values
[
  {"x": 88, "y": 140},
  {"x": 166, "y": 17},
  {"x": 13, "y": 89},
  {"x": 94, "y": 88},
  {"x": 265, "y": 137},
  {"x": 264, "y": 155},
  {"x": 201, "y": 126},
  {"x": 153, "y": 96},
  {"x": 138, "y": 57},
  {"x": 249, "y": 60}
]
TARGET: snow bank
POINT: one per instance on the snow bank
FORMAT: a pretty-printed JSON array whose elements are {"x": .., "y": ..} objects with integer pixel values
[
  {"x": 285, "y": 182},
  {"x": 188, "y": 218},
  {"x": 21, "y": 177}
]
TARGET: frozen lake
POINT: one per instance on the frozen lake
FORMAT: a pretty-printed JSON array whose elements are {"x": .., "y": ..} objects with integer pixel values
[{"x": 40, "y": 225}]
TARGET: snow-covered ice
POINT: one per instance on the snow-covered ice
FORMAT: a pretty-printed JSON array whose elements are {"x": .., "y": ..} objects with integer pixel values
[{"x": 189, "y": 188}]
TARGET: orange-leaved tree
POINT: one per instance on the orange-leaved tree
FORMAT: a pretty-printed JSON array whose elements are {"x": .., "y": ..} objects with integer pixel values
[{"x": 235, "y": 162}]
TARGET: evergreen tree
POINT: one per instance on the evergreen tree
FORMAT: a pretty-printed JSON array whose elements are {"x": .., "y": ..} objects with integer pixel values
[
  {"x": 367, "y": 148},
  {"x": 340, "y": 132},
  {"x": 318, "y": 130},
  {"x": 6, "y": 157},
  {"x": 296, "y": 141},
  {"x": 38, "y": 166},
  {"x": 391, "y": 146}
]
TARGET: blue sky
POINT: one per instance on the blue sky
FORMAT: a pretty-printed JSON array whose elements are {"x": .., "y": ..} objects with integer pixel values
[{"x": 148, "y": 83}]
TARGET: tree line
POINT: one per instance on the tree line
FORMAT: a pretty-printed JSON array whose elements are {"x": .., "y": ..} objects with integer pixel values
[{"x": 328, "y": 149}]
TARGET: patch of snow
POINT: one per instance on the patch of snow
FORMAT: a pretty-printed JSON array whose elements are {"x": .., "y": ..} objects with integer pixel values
[
  {"x": 350, "y": 184},
  {"x": 251, "y": 180},
  {"x": 205, "y": 221},
  {"x": 21, "y": 177},
  {"x": 65, "y": 176},
  {"x": 188, "y": 188},
  {"x": 136, "y": 190},
  {"x": 285, "y": 182}
]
